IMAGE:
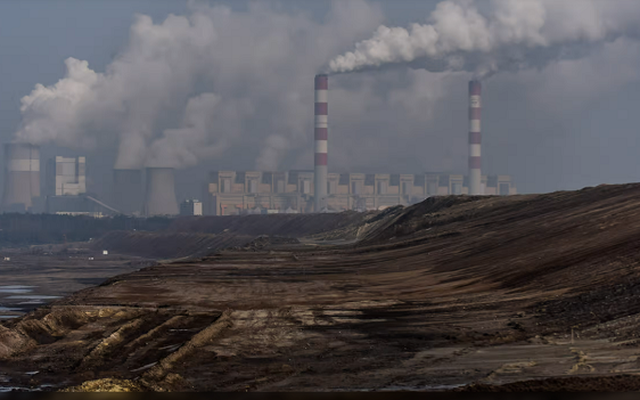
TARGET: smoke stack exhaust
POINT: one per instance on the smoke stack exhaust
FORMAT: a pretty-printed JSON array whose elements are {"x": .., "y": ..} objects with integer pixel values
[
  {"x": 321, "y": 136},
  {"x": 475, "y": 160},
  {"x": 160, "y": 192},
  {"x": 22, "y": 177},
  {"x": 127, "y": 190}
]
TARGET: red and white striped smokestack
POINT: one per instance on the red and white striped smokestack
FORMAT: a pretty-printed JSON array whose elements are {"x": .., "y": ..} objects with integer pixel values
[
  {"x": 475, "y": 107},
  {"x": 321, "y": 136}
]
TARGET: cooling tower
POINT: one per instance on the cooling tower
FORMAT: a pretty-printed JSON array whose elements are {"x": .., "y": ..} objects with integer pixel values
[
  {"x": 475, "y": 107},
  {"x": 22, "y": 176},
  {"x": 127, "y": 190},
  {"x": 160, "y": 192},
  {"x": 321, "y": 136}
]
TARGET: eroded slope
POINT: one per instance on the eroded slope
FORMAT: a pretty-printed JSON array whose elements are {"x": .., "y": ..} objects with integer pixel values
[{"x": 452, "y": 291}]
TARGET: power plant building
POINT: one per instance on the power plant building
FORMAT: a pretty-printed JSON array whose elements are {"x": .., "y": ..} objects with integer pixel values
[
  {"x": 191, "y": 207},
  {"x": 239, "y": 192},
  {"x": 66, "y": 189},
  {"x": 66, "y": 176}
]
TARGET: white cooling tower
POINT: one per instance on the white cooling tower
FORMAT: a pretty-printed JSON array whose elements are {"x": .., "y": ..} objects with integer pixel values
[
  {"x": 22, "y": 176},
  {"x": 127, "y": 190},
  {"x": 160, "y": 192}
]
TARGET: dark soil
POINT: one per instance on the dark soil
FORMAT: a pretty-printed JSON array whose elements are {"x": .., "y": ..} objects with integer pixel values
[{"x": 536, "y": 292}]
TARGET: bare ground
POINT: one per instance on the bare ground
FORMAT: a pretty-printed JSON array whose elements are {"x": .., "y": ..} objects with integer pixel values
[{"x": 493, "y": 293}]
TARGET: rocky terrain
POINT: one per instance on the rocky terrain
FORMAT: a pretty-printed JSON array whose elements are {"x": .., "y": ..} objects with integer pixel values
[{"x": 512, "y": 293}]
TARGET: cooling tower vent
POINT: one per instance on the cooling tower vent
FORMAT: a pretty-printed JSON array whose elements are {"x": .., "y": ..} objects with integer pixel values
[
  {"x": 128, "y": 190},
  {"x": 22, "y": 177},
  {"x": 160, "y": 192}
]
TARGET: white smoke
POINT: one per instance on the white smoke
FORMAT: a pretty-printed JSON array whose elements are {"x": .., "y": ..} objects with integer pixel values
[
  {"x": 275, "y": 147},
  {"x": 151, "y": 77},
  {"x": 185, "y": 145},
  {"x": 57, "y": 113},
  {"x": 191, "y": 87},
  {"x": 515, "y": 34},
  {"x": 238, "y": 87}
]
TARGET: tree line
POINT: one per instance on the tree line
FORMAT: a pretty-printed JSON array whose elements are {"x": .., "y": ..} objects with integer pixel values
[{"x": 32, "y": 229}]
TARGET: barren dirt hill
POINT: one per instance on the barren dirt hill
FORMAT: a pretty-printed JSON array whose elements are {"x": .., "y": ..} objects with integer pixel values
[
  {"x": 446, "y": 293},
  {"x": 167, "y": 245},
  {"x": 201, "y": 236},
  {"x": 286, "y": 225}
]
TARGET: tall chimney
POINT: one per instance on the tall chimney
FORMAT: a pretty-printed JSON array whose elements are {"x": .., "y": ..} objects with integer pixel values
[
  {"x": 160, "y": 192},
  {"x": 22, "y": 176},
  {"x": 127, "y": 190},
  {"x": 321, "y": 136},
  {"x": 475, "y": 164}
]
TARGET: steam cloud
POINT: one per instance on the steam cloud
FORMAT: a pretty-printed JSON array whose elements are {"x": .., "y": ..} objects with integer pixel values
[
  {"x": 193, "y": 86},
  {"x": 238, "y": 86},
  {"x": 516, "y": 34}
]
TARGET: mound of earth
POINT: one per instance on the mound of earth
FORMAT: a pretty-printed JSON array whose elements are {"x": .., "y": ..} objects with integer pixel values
[
  {"x": 455, "y": 291},
  {"x": 167, "y": 245},
  {"x": 621, "y": 383},
  {"x": 202, "y": 236},
  {"x": 264, "y": 241},
  {"x": 283, "y": 225},
  {"x": 107, "y": 385}
]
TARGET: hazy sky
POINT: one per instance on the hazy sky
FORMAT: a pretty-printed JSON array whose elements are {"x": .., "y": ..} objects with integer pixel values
[{"x": 231, "y": 87}]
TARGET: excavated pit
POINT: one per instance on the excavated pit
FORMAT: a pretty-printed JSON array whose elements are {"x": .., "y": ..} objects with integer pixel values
[{"x": 456, "y": 293}]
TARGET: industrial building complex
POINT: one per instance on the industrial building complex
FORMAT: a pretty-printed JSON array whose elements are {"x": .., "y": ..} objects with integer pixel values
[
  {"x": 151, "y": 191},
  {"x": 237, "y": 192}
]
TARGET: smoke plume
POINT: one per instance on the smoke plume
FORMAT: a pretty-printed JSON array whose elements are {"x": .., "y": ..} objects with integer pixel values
[
  {"x": 191, "y": 87},
  {"x": 185, "y": 145},
  {"x": 515, "y": 34},
  {"x": 234, "y": 90}
]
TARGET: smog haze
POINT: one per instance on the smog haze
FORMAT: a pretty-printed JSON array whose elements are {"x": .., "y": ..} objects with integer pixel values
[{"x": 222, "y": 85}]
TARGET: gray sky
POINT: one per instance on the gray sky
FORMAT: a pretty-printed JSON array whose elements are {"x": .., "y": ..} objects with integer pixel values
[{"x": 239, "y": 95}]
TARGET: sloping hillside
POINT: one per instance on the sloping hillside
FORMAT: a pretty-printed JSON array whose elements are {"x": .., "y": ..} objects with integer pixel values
[
  {"x": 202, "y": 236},
  {"x": 167, "y": 245},
  {"x": 285, "y": 225},
  {"x": 446, "y": 293}
]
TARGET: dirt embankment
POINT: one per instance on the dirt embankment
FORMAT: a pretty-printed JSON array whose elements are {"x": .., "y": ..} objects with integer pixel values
[
  {"x": 167, "y": 245},
  {"x": 620, "y": 383},
  {"x": 202, "y": 236},
  {"x": 284, "y": 225},
  {"x": 488, "y": 291}
]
